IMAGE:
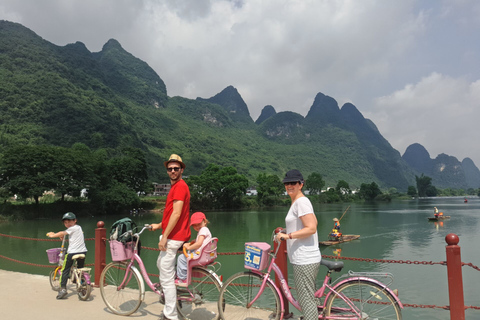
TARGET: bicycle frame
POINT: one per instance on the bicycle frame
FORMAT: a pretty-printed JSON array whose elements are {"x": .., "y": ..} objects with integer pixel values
[
  {"x": 318, "y": 294},
  {"x": 74, "y": 272},
  {"x": 143, "y": 271},
  {"x": 136, "y": 258}
]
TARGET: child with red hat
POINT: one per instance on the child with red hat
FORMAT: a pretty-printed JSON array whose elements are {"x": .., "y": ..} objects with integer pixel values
[{"x": 199, "y": 223}]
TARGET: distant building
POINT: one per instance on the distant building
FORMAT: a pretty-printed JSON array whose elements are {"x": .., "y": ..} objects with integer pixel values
[{"x": 161, "y": 189}]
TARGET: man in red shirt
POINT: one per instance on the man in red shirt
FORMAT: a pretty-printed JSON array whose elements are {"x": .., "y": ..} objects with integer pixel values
[{"x": 176, "y": 231}]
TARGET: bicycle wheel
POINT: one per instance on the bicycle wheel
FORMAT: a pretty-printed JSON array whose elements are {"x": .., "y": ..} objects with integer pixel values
[
  {"x": 55, "y": 279},
  {"x": 239, "y": 290},
  {"x": 126, "y": 299},
  {"x": 200, "y": 299},
  {"x": 83, "y": 288},
  {"x": 370, "y": 299}
]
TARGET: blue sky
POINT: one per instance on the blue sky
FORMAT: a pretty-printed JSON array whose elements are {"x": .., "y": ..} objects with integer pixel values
[{"x": 410, "y": 66}]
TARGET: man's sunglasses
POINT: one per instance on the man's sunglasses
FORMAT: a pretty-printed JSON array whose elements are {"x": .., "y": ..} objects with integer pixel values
[
  {"x": 173, "y": 169},
  {"x": 290, "y": 183}
]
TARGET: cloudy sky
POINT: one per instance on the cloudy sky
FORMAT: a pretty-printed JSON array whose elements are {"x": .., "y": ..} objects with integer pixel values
[{"x": 411, "y": 66}]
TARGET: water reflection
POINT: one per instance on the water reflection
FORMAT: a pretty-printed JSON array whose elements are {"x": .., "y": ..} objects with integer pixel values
[
  {"x": 438, "y": 224},
  {"x": 337, "y": 252}
]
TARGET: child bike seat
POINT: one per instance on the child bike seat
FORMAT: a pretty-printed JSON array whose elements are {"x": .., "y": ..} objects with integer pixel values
[
  {"x": 332, "y": 265},
  {"x": 206, "y": 257},
  {"x": 78, "y": 256}
]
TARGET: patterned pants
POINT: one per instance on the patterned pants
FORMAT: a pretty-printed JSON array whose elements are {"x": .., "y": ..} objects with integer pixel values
[{"x": 304, "y": 276}]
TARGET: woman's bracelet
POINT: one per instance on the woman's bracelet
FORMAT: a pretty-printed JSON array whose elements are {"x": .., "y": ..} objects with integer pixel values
[{"x": 290, "y": 236}]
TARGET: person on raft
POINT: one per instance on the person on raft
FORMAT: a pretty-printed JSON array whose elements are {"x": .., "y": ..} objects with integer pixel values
[
  {"x": 336, "y": 229},
  {"x": 436, "y": 213}
]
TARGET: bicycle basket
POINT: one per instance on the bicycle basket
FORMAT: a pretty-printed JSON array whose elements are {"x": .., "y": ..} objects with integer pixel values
[
  {"x": 54, "y": 255},
  {"x": 256, "y": 255},
  {"x": 121, "y": 251}
]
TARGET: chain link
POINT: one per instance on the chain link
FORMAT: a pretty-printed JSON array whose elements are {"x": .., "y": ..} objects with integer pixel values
[
  {"x": 241, "y": 253},
  {"x": 36, "y": 239}
]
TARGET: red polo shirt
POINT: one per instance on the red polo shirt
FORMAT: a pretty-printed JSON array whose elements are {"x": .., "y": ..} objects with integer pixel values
[{"x": 180, "y": 192}]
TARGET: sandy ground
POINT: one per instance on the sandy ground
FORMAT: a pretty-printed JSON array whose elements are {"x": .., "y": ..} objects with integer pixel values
[{"x": 27, "y": 296}]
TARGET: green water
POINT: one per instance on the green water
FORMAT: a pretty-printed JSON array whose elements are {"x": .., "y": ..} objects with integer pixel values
[{"x": 399, "y": 231}]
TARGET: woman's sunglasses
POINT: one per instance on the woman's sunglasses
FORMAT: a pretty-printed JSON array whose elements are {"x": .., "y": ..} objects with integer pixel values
[{"x": 290, "y": 183}]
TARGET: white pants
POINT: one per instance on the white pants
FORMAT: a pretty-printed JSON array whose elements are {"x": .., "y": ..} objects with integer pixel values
[{"x": 166, "y": 268}]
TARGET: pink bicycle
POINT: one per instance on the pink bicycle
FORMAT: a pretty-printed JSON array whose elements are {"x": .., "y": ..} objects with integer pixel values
[
  {"x": 123, "y": 289},
  {"x": 254, "y": 295}
]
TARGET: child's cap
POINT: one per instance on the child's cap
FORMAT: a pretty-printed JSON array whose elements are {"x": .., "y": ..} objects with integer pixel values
[
  {"x": 197, "y": 217},
  {"x": 69, "y": 216}
]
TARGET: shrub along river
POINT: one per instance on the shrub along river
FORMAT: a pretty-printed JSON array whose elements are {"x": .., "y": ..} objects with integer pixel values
[{"x": 398, "y": 230}]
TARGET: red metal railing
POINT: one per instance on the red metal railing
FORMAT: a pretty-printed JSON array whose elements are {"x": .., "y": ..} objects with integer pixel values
[{"x": 454, "y": 267}]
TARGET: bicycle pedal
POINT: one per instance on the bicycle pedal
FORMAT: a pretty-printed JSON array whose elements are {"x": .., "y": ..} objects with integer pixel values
[{"x": 197, "y": 299}]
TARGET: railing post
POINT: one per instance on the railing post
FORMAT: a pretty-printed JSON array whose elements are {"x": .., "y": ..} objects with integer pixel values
[
  {"x": 282, "y": 265},
  {"x": 455, "y": 280},
  {"x": 100, "y": 250}
]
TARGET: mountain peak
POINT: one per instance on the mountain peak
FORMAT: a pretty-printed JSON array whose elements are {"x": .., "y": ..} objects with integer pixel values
[
  {"x": 351, "y": 113},
  {"x": 267, "y": 112},
  {"x": 112, "y": 44},
  {"x": 129, "y": 75},
  {"x": 418, "y": 158},
  {"x": 472, "y": 174},
  {"x": 324, "y": 109},
  {"x": 232, "y": 102}
]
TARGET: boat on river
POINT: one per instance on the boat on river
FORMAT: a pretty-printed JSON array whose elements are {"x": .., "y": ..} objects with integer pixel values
[
  {"x": 440, "y": 218},
  {"x": 344, "y": 238}
]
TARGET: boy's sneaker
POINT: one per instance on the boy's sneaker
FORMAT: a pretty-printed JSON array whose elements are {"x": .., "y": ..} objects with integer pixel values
[
  {"x": 180, "y": 282},
  {"x": 62, "y": 293}
]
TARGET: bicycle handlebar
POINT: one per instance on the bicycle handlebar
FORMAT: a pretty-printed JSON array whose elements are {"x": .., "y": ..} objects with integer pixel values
[
  {"x": 137, "y": 234},
  {"x": 279, "y": 230}
]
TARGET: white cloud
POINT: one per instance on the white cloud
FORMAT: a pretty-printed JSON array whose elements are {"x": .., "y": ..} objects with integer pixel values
[{"x": 439, "y": 112}]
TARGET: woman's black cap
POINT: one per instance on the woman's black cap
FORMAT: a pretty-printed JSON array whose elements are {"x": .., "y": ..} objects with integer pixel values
[{"x": 293, "y": 176}]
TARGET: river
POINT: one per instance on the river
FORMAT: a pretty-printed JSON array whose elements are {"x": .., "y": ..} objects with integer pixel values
[{"x": 398, "y": 230}]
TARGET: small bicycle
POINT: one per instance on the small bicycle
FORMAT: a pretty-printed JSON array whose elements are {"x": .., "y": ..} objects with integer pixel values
[
  {"x": 123, "y": 289},
  {"x": 254, "y": 295},
  {"x": 78, "y": 276}
]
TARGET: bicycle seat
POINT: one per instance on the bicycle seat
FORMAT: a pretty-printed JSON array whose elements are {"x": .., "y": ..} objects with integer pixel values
[
  {"x": 332, "y": 265},
  {"x": 206, "y": 257},
  {"x": 78, "y": 256}
]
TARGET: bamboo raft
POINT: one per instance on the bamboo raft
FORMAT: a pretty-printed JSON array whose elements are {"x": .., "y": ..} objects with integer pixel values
[
  {"x": 439, "y": 218},
  {"x": 345, "y": 238}
]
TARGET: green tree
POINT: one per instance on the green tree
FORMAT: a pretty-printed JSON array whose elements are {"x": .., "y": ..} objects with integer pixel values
[
  {"x": 27, "y": 170},
  {"x": 431, "y": 191},
  {"x": 122, "y": 171},
  {"x": 269, "y": 188},
  {"x": 128, "y": 166},
  {"x": 74, "y": 170},
  {"x": 369, "y": 191},
  {"x": 314, "y": 183},
  {"x": 423, "y": 183},
  {"x": 118, "y": 197},
  {"x": 217, "y": 188},
  {"x": 412, "y": 191},
  {"x": 332, "y": 195},
  {"x": 343, "y": 189}
]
